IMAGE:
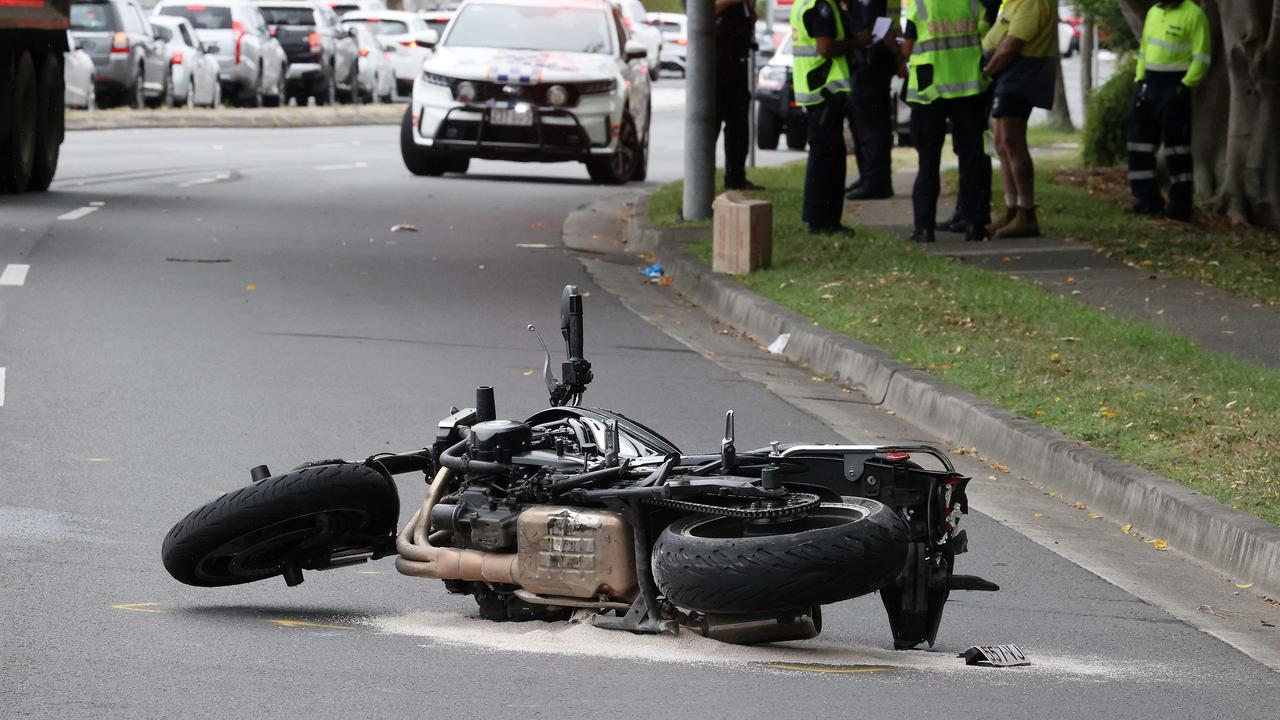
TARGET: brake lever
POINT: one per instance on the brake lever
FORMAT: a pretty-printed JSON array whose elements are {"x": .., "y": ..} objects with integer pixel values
[{"x": 553, "y": 385}]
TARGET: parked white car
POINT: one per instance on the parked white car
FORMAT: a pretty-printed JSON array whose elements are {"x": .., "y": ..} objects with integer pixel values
[
  {"x": 404, "y": 35},
  {"x": 251, "y": 64},
  {"x": 78, "y": 77},
  {"x": 532, "y": 81},
  {"x": 675, "y": 39},
  {"x": 633, "y": 17},
  {"x": 377, "y": 76},
  {"x": 194, "y": 71}
]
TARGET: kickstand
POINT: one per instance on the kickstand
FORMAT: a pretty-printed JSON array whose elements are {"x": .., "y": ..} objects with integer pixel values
[{"x": 639, "y": 619}]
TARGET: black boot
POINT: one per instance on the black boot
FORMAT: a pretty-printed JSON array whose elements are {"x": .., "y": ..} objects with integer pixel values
[
  {"x": 955, "y": 223},
  {"x": 921, "y": 235}
]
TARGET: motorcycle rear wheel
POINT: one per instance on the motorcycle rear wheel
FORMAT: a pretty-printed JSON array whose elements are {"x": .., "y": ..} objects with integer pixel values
[
  {"x": 293, "y": 521},
  {"x": 725, "y": 565}
]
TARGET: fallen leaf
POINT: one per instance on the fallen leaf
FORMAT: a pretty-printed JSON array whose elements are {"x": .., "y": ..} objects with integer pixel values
[
  {"x": 481, "y": 267},
  {"x": 1055, "y": 358},
  {"x": 528, "y": 371},
  {"x": 827, "y": 296},
  {"x": 533, "y": 246},
  {"x": 1108, "y": 412},
  {"x": 1037, "y": 515},
  {"x": 1000, "y": 466},
  {"x": 1094, "y": 516},
  {"x": 1232, "y": 404},
  {"x": 1006, "y": 258},
  {"x": 250, "y": 287},
  {"x": 1080, "y": 506},
  {"x": 404, "y": 228},
  {"x": 1161, "y": 545},
  {"x": 1244, "y": 586},
  {"x": 1126, "y": 528},
  {"x": 1071, "y": 281}
]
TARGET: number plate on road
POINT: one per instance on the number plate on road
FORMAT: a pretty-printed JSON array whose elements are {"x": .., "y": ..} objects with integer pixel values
[
  {"x": 997, "y": 655},
  {"x": 512, "y": 116}
]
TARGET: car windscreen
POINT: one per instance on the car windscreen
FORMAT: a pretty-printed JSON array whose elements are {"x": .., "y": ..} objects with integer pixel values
[
  {"x": 531, "y": 27},
  {"x": 671, "y": 29},
  {"x": 383, "y": 27},
  {"x": 288, "y": 15},
  {"x": 341, "y": 9},
  {"x": 93, "y": 16},
  {"x": 201, "y": 16}
]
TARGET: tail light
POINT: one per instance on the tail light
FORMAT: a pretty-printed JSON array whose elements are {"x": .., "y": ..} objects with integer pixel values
[
  {"x": 364, "y": 52},
  {"x": 273, "y": 30},
  {"x": 238, "y": 28},
  {"x": 313, "y": 41},
  {"x": 177, "y": 58},
  {"x": 409, "y": 43},
  {"x": 682, "y": 41},
  {"x": 120, "y": 43}
]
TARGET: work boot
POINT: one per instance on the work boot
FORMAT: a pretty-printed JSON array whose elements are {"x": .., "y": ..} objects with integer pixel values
[
  {"x": 1009, "y": 214},
  {"x": 869, "y": 192},
  {"x": 976, "y": 233},
  {"x": 922, "y": 235},
  {"x": 956, "y": 223},
  {"x": 1023, "y": 225}
]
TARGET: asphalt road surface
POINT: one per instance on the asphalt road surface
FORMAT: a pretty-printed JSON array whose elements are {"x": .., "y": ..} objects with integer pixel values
[{"x": 201, "y": 301}]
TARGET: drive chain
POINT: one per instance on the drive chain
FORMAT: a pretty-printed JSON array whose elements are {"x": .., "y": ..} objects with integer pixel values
[{"x": 753, "y": 508}]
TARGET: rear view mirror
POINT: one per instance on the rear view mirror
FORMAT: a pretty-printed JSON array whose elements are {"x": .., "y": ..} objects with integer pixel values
[
  {"x": 636, "y": 50},
  {"x": 427, "y": 38}
]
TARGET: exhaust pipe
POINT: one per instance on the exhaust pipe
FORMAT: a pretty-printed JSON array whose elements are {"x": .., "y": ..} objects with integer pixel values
[{"x": 418, "y": 557}]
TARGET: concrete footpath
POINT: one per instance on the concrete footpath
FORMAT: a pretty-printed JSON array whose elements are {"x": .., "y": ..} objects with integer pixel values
[{"x": 1218, "y": 320}]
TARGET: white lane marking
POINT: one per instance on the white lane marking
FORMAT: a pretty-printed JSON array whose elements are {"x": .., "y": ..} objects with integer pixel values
[
  {"x": 207, "y": 180},
  {"x": 1, "y": 387},
  {"x": 343, "y": 166},
  {"x": 77, "y": 213},
  {"x": 14, "y": 275}
]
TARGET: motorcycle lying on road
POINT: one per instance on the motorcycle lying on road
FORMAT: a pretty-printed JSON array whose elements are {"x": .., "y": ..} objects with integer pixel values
[{"x": 577, "y": 508}]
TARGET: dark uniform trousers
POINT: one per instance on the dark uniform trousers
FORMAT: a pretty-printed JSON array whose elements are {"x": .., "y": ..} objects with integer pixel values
[
  {"x": 968, "y": 119},
  {"x": 733, "y": 103},
  {"x": 825, "y": 174},
  {"x": 872, "y": 130},
  {"x": 1161, "y": 116}
]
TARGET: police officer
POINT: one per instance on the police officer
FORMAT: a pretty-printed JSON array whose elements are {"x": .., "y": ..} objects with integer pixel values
[
  {"x": 735, "y": 36},
  {"x": 1173, "y": 58},
  {"x": 868, "y": 107},
  {"x": 942, "y": 65},
  {"x": 820, "y": 73}
]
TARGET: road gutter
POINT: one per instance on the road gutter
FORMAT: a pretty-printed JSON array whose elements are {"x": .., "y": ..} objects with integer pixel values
[{"x": 1213, "y": 546}]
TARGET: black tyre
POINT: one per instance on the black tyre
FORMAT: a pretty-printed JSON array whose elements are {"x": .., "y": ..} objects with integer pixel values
[
  {"x": 620, "y": 167},
  {"x": 327, "y": 93},
  {"x": 768, "y": 128},
  {"x": 300, "y": 519},
  {"x": 797, "y": 135},
  {"x": 417, "y": 160},
  {"x": 280, "y": 97},
  {"x": 49, "y": 124},
  {"x": 136, "y": 95},
  {"x": 18, "y": 151},
  {"x": 723, "y": 565}
]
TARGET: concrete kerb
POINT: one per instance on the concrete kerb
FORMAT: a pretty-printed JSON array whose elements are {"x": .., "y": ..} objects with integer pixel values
[
  {"x": 1234, "y": 543},
  {"x": 236, "y": 118}
]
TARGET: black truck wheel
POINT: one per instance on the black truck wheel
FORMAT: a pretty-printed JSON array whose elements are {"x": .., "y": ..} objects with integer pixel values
[
  {"x": 283, "y": 524},
  {"x": 49, "y": 128},
  {"x": 18, "y": 151},
  {"x": 725, "y": 565}
]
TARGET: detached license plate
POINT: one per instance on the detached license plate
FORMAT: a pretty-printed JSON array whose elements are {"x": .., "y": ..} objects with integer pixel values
[{"x": 511, "y": 116}]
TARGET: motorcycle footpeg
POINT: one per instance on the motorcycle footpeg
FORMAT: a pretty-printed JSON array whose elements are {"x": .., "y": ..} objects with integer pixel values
[{"x": 971, "y": 582}]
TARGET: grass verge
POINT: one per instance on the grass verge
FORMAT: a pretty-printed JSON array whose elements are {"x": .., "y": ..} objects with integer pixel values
[{"x": 1132, "y": 390}]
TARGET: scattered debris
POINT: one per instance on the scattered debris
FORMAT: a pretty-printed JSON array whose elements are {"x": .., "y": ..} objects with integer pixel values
[
  {"x": 220, "y": 260},
  {"x": 995, "y": 656},
  {"x": 404, "y": 228},
  {"x": 779, "y": 345}
]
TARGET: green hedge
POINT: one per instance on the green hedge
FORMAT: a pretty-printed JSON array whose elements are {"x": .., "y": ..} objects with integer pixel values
[{"x": 1108, "y": 119}]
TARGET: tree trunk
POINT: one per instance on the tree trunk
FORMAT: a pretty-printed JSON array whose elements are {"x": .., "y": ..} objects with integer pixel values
[
  {"x": 1086, "y": 61},
  {"x": 1235, "y": 156},
  {"x": 1060, "y": 113}
]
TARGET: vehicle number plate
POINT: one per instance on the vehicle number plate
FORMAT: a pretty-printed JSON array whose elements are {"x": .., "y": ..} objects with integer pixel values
[
  {"x": 511, "y": 116},
  {"x": 997, "y": 655}
]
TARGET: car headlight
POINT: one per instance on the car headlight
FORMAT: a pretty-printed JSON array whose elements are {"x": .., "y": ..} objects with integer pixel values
[
  {"x": 557, "y": 95},
  {"x": 435, "y": 79},
  {"x": 465, "y": 91}
]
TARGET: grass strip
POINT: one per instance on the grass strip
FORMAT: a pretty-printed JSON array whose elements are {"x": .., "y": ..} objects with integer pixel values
[{"x": 1130, "y": 389}]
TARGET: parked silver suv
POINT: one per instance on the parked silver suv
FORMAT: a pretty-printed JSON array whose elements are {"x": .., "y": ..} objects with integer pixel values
[
  {"x": 131, "y": 63},
  {"x": 252, "y": 65}
]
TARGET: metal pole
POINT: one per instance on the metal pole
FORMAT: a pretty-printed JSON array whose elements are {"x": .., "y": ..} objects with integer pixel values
[
  {"x": 700, "y": 111},
  {"x": 751, "y": 106}
]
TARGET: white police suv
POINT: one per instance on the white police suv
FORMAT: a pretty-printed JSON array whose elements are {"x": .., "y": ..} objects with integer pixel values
[{"x": 531, "y": 81}]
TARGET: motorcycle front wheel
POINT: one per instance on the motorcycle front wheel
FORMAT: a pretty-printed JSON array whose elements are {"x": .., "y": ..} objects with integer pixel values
[
  {"x": 727, "y": 565},
  {"x": 302, "y": 519}
]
